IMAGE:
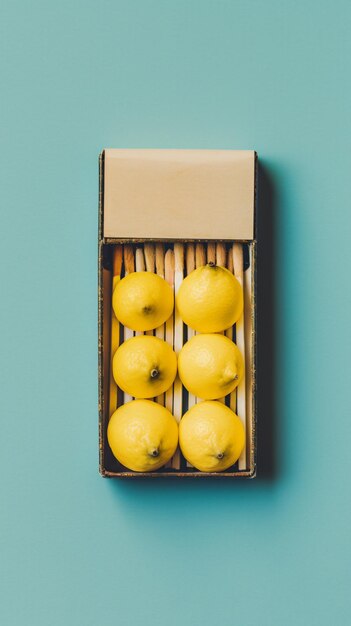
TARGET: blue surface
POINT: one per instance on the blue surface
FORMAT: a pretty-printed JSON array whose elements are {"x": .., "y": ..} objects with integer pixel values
[{"x": 77, "y": 76}]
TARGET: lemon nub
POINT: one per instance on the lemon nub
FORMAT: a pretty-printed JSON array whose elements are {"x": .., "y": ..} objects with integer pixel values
[
  {"x": 154, "y": 373},
  {"x": 229, "y": 377},
  {"x": 147, "y": 309},
  {"x": 154, "y": 453},
  {"x": 232, "y": 377}
]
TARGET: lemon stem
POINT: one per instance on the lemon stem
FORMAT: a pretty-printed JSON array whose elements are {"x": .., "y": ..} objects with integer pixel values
[
  {"x": 220, "y": 455},
  {"x": 155, "y": 452},
  {"x": 211, "y": 264},
  {"x": 154, "y": 373},
  {"x": 230, "y": 378}
]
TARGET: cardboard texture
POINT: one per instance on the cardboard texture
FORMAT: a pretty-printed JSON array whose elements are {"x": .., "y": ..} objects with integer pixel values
[
  {"x": 176, "y": 195},
  {"x": 179, "y": 194}
]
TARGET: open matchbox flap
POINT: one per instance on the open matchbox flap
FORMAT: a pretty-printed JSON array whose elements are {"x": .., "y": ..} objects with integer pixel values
[{"x": 173, "y": 194}]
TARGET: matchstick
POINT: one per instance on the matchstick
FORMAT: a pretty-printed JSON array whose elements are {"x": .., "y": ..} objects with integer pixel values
[
  {"x": 139, "y": 260},
  {"x": 230, "y": 261},
  {"x": 200, "y": 255},
  {"x": 160, "y": 259},
  {"x": 139, "y": 267},
  {"x": 190, "y": 266},
  {"x": 230, "y": 332},
  {"x": 178, "y": 341},
  {"x": 169, "y": 328},
  {"x": 200, "y": 258},
  {"x": 195, "y": 257},
  {"x": 200, "y": 261},
  {"x": 149, "y": 252},
  {"x": 161, "y": 330},
  {"x": 129, "y": 267},
  {"x": 248, "y": 355},
  {"x": 221, "y": 258},
  {"x": 169, "y": 276},
  {"x": 238, "y": 264},
  {"x": 221, "y": 254},
  {"x": 116, "y": 276},
  {"x": 211, "y": 252}
]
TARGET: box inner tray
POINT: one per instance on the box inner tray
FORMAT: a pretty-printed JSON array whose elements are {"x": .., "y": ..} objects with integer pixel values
[{"x": 141, "y": 256}]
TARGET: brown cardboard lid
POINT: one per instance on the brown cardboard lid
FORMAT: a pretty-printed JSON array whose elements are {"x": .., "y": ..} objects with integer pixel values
[{"x": 179, "y": 194}]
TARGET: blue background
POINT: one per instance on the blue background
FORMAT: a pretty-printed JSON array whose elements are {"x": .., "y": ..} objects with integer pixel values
[{"x": 77, "y": 76}]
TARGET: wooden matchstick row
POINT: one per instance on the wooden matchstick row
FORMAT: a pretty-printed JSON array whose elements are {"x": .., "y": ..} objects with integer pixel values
[
  {"x": 190, "y": 266},
  {"x": 238, "y": 264},
  {"x": 194, "y": 258},
  {"x": 178, "y": 341},
  {"x": 221, "y": 259},
  {"x": 160, "y": 332},
  {"x": 169, "y": 326},
  {"x": 129, "y": 267},
  {"x": 116, "y": 276},
  {"x": 173, "y": 265},
  {"x": 231, "y": 332},
  {"x": 248, "y": 327}
]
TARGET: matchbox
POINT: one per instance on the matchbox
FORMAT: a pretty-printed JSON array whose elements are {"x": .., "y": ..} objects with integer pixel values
[{"x": 196, "y": 207}]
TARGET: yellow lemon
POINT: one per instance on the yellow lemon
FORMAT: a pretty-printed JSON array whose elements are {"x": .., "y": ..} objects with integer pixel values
[
  {"x": 210, "y": 366},
  {"x": 142, "y": 435},
  {"x": 210, "y": 299},
  {"x": 142, "y": 301},
  {"x": 211, "y": 436},
  {"x": 144, "y": 366}
]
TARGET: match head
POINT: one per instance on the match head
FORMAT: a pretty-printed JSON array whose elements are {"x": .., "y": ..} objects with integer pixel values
[
  {"x": 169, "y": 267},
  {"x": 160, "y": 259},
  {"x": 149, "y": 252},
  {"x": 221, "y": 254},
  {"x": 190, "y": 257},
  {"x": 238, "y": 260},
  {"x": 179, "y": 257},
  {"x": 200, "y": 255},
  {"x": 129, "y": 259},
  {"x": 117, "y": 260},
  {"x": 139, "y": 260}
]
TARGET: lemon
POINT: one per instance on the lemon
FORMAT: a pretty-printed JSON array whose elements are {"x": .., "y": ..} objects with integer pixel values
[
  {"x": 211, "y": 436},
  {"x": 210, "y": 299},
  {"x": 142, "y": 435},
  {"x": 142, "y": 301},
  {"x": 144, "y": 366},
  {"x": 210, "y": 366}
]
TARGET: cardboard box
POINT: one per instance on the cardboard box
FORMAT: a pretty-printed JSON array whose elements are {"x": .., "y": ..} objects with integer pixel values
[{"x": 200, "y": 196}]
